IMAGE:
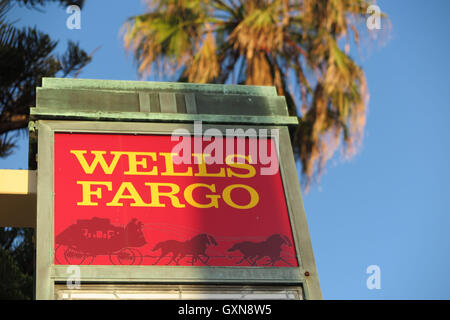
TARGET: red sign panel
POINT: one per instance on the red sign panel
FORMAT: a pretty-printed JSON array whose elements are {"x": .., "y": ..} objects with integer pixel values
[{"x": 154, "y": 200}]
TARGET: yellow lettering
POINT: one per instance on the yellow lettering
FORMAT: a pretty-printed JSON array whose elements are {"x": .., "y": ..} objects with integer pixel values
[
  {"x": 254, "y": 197},
  {"x": 230, "y": 173},
  {"x": 99, "y": 159},
  {"x": 133, "y": 194},
  {"x": 88, "y": 193},
  {"x": 202, "y": 170},
  {"x": 156, "y": 194},
  {"x": 133, "y": 163},
  {"x": 169, "y": 166},
  {"x": 190, "y": 199}
]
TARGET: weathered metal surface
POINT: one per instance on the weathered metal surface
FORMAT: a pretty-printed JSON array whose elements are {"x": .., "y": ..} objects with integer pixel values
[
  {"x": 179, "y": 291},
  {"x": 45, "y": 113},
  {"x": 168, "y": 102},
  {"x": 152, "y": 101},
  {"x": 183, "y": 274},
  {"x": 153, "y": 86},
  {"x": 91, "y": 101}
]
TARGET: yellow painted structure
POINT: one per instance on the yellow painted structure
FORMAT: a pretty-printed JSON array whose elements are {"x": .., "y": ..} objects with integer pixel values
[{"x": 18, "y": 198}]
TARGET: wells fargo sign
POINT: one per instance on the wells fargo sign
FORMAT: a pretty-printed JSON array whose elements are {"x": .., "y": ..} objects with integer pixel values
[{"x": 130, "y": 199}]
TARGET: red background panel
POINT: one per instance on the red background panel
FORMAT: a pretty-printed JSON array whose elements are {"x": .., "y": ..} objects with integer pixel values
[{"x": 107, "y": 235}]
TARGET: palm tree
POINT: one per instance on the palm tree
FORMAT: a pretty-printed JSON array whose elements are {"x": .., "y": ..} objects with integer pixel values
[{"x": 292, "y": 45}]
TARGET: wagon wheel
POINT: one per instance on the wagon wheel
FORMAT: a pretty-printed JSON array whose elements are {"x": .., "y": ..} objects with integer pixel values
[
  {"x": 138, "y": 256},
  {"x": 76, "y": 257},
  {"x": 126, "y": 256},
  {"x": 59, "y": 254}
]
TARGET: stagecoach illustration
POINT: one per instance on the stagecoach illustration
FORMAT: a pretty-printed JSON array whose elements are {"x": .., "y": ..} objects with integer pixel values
[{"x": 82, "y": 242}]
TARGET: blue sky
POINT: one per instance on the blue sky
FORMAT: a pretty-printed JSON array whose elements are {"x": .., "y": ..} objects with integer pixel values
[{"x": 387, "y": 206}]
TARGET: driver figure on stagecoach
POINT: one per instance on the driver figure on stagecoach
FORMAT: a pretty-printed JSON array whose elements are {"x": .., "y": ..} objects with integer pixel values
[{"x": 134, "y": 234}]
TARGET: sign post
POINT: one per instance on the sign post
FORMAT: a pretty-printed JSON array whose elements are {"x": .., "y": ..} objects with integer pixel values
[{"x": 167, "y": 190}]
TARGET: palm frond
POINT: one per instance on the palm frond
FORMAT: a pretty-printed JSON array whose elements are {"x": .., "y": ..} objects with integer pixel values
[
  {"x": 292, "y": 45},
  {"x": 7, "y": 144}
]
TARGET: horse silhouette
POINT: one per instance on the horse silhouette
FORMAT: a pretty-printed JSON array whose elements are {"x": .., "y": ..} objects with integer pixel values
[
  {"x": 196, "y": 247},
  {"x": 254, "y": 251}
]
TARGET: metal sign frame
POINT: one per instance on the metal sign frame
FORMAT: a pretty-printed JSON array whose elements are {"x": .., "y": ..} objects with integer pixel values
[{"x": 47, "y": 273}]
